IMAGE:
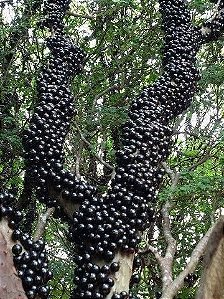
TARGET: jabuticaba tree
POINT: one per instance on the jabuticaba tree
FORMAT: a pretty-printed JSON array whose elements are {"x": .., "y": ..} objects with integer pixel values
[{"x": 105, "y": 230}]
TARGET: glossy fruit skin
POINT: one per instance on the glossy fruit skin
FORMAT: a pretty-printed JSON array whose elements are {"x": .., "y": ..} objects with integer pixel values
[
  {"x": 31, "y": 266},
  {"x": 125, "y": 210},
  {"x": 17, "y": 249},
  {"x": 111, "y": 223}
]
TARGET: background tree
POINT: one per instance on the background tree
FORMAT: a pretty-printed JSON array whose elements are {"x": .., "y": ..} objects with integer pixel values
[{"x": 123, "y": 55}]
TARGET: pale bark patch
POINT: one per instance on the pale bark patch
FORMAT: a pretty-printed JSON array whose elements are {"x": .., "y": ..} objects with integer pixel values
[{"x": 123, "y": 276}]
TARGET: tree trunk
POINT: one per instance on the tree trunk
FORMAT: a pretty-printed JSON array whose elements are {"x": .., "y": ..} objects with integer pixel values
[{"x": 10, "y": 284}]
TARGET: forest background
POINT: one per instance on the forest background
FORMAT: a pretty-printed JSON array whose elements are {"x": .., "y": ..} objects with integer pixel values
[{"x": 123, "y": 42}]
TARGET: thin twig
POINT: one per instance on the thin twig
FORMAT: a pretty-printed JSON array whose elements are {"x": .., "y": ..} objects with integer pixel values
[
  {"x": 91, "y": 147},
  {"x": 201, "y": 161},
  {"x": 174, "y": 176},
  {"x": 77, "y": 15},
  {"x": 105, "y": 91}
]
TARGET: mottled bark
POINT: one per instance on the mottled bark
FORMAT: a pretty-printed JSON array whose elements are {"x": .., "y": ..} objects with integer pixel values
[
  {"x": 123, "y": 275},
  {"x": 212, "y": 281},
  {"x": 10, "y": 284}
]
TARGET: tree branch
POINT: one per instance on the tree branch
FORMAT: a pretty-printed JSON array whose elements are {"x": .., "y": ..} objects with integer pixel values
[
  {"x": 42, "y": 222},
  {"x": 201, "y": 161},
  {"x": 91, "y": 147},
  {"x": 166, "y": 222},
  {"x": 166, "y": 262},
  {"x": 174, "y": 176},
  {"x": 171, "y": 248},
  {"x": 178, "y": 283},
  {"x": 105, "y": 91},
  {"x": 77, "y": 15},
  {"x": 176, "y": 132},
  {"x": 211, "y": 282}
]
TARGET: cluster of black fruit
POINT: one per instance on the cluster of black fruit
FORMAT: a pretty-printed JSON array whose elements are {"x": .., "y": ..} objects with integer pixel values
[
  {"x": 29, "y": 256},
  {"x": 105, "y": 225},
  {"x": 31, "y": 263},
  {"x": 96, "y": 221},
  {"x": 7, "y": 210},
  {"x": 44, "y": 139}
]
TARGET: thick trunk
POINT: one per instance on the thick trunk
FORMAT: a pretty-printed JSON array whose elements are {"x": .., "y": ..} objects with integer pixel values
[
  {"x": 212, "y": 280},
  {"x": 10, "y": 284}
]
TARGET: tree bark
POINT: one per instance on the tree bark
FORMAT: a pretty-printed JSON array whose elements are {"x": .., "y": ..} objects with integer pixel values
[
  {"x": 212, "y": 280},
  {"x": 10, "y": 284}
]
